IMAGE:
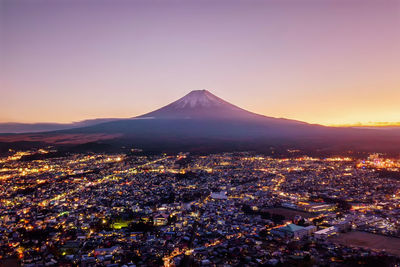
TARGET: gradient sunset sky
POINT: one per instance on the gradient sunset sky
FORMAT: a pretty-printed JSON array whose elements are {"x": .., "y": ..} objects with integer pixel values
[{"x": 322, "y": 61}]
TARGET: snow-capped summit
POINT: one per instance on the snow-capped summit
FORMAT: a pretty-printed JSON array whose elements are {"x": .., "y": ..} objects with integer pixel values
[
  {"x": 199, "y": 98},
  {"x": 198, "y": 104}
]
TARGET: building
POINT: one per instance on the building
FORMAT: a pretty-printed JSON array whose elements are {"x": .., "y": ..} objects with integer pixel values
[
  {"x": 290, "y": 231},
  {"x": 317, "y": 207},
  {"x": 324, "y": 233},
  {"x": 310, "y": 229},
  {"x": 160, "y": 219},
  {"x": 219, "y": 195}
]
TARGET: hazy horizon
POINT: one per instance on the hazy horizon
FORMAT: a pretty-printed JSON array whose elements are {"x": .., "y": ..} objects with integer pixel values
[
  {"x": 326, "y": 62},
  {"x": 78, "y": 122}
]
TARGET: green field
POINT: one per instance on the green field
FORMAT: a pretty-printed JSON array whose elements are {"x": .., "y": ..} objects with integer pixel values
[{"x": 119, "y": 225}]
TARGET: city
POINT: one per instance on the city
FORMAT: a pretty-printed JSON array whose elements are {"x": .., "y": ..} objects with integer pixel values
[
  {"x": 199, "y": 133},
  {"x": 229, "y": 209}
]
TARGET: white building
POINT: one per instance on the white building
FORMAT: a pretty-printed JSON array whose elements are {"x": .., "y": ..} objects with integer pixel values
[
  {"x": 219, "y": 195},
  {"x": 324, "y": 233}
]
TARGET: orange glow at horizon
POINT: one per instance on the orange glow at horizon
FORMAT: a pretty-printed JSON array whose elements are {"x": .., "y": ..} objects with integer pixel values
[{"x": 368, "y": 124}]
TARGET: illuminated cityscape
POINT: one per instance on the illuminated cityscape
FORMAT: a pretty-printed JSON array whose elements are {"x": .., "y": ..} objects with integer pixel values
[{"x": 190, "y": 210}]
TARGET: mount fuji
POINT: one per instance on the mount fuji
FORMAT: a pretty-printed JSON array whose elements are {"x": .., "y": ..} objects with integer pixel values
[
  {"x": 199, "y": 104},
  {"x": 203, "y": 122},
  {"x": 203, "y": 105}
]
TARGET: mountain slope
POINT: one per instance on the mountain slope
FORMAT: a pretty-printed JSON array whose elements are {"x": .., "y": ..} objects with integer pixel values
[
  {"x": 203, "y": 105},
  {"x": 201, "y": 121},
  {"x": 198, "y": 104}
]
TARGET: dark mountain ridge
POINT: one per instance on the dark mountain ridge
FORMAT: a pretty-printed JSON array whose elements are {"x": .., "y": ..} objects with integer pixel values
[
  {"x": 201, "y": 121},
  {"x": 16, "y": 127}
]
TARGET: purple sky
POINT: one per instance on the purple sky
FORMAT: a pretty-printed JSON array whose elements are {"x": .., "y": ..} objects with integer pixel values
[{"x": 322, "y": 61}]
